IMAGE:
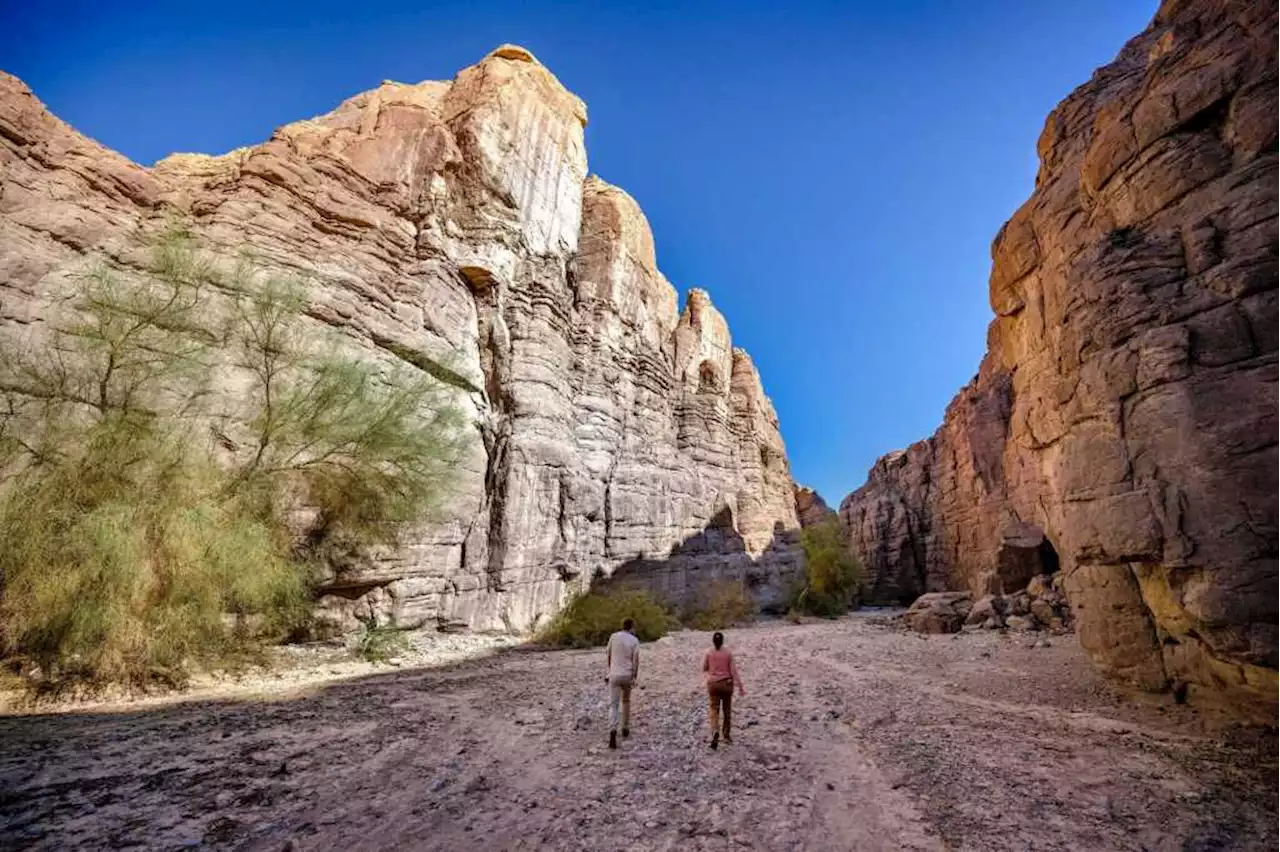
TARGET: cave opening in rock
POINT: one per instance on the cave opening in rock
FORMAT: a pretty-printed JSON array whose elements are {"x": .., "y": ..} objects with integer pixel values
[
  {"x": 1048, "y": 557},
  {"x": 1025, "y": 552}
]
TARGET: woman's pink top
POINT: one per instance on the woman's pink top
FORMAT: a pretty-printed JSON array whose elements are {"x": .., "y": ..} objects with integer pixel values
[{"x": 719, "y": 666}]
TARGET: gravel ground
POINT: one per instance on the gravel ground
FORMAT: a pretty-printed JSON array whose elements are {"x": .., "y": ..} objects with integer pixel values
[{"x": 853, "y": 735}]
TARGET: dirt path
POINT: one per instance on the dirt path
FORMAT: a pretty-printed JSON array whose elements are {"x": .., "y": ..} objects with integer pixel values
[{"x": 852, "y": 736}]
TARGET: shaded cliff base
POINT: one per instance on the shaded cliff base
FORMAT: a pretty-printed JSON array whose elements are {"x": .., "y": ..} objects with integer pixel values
[
  {"x": 852, "y": 735},
  {"x": 718, "y": 553}
]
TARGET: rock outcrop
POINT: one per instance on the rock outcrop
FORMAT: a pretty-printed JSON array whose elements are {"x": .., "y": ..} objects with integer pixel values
[
  {"x": 811, "y": 508},
  {"x": 1123, "y": 423},
  {"x": 1040, "y": 606},
  {"x": 454, "y": 226},
  {"x": 939, "y": 612}
]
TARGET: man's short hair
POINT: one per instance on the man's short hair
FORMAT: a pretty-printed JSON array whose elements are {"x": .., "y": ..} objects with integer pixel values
[{"x": 627, "y": 624}]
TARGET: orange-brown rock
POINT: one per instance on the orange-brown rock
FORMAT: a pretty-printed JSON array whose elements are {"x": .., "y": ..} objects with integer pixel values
[
  {"x": 811, "y": 508},
  {"x": 1125, "y": 414}
]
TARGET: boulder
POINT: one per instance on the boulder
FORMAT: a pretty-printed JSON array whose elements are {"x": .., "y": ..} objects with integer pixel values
[
  {"x": 939, "y": 612},
  {"x": 1043, "y": 611},
  {"x": 1039, "y": 585},
  {"x": 987, "y": 609},
  {"x": 1020, "y": 623}
]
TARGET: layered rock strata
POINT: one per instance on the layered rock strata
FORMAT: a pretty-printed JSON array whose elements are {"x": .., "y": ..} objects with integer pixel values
[
  {"x": 453, "y": 226},
  {"x": 811, "y": 508},
  {"x": 1125, "y": 414}
]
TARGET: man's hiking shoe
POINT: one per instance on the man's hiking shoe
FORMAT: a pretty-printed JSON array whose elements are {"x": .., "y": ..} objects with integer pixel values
[
  {"x": 626, "y": 732},
  {"x": 613, "y": 739},
  {"x": 715, "y": 741}
]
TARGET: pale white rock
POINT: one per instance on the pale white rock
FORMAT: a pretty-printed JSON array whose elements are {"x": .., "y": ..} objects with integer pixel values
[{"x": 617, "y": 433}]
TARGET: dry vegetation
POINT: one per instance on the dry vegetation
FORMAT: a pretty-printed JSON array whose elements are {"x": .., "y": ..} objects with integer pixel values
[
  {"x": 589, "y": 619},
  {"x": 144, "y": 530},
  {"x": 720, "y": 605},
  {"x": 832, "y": 573}
]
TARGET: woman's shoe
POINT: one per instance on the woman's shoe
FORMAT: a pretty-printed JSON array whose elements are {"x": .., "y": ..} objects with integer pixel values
[{"x": 715, "y": 741}]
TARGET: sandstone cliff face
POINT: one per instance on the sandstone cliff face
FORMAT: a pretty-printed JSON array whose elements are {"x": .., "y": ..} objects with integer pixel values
[
  {"x": 1126, "y": 409},
  {"x": 454, "y": 226},
  {"x": 811, "y": 508}
]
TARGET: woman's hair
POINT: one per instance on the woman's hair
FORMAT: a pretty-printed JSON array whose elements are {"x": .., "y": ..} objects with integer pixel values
[{"x": 717, "y": 639}]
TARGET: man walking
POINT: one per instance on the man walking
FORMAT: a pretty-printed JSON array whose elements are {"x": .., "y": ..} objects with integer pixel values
[{"x": 623, "y": 661}]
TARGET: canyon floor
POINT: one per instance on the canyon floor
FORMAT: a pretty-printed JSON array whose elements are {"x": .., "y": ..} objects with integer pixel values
[{"x": 853, "y": 735}]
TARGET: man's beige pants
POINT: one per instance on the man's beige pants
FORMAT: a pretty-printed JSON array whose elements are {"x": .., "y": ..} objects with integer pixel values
[{"x": 619, "y": 698}]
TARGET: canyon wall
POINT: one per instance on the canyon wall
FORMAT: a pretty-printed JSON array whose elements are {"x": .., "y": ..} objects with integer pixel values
[
  {"x": 811, "y": 508},
  {"x": 454, "y": 227},
  {"x": 1123, "y": 423}
]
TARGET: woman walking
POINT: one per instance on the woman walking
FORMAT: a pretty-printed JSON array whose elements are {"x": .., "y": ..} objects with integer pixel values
[{"x": 722, "y": 675}]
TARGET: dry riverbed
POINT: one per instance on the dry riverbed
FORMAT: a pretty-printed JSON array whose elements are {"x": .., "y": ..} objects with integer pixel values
[{"x": 853, "y": 735}]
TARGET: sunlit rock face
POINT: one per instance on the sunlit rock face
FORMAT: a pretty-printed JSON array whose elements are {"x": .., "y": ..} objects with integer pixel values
[
  {"x": 811, "y": 508},
  {"x": 454, "y": 224},
  {"x": 1125, "y": 411}
]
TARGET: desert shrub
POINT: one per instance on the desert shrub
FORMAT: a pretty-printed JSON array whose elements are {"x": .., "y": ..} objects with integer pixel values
[
  {"x": 130, "y": 551},
  {"x": 832, "y": 574},
  {"x": 129, "y": 567},
  {"x": 719, "y": 605},
  {"x": 590, "y": 619},
  {"x": 370, "y": 448},
  {"x": 378, "y": 642}
]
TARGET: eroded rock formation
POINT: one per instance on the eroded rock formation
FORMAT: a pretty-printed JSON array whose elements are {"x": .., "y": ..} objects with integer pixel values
[
  {"x": 1126, "y": 408},
  {"x": 811, "y": 508},
  {"x": 454, "y": 226}
]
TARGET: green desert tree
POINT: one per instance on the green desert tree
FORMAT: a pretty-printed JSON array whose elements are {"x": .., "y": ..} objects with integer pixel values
[
  {"x": 370, "y": 448},
  {"x": 832, "y": 574},
  {"x": 144, "y": 528}
]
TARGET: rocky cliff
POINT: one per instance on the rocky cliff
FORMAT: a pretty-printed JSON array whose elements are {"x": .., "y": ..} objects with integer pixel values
[
  {"x": 454, "y": 226},
  {"x": 1123, "y": 422},
  {"x": 811, "y": 508}
]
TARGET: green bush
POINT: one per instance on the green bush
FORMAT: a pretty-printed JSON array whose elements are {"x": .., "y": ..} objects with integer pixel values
[
  {"x": 720, "y": 605},
  {"x": 590, "y": 619},
  {"x": 133, "y": 547},
  {"x": 832, "y": 574},
  {"x": 378, "y": 643},
  {"x": 124, "y": 562}
]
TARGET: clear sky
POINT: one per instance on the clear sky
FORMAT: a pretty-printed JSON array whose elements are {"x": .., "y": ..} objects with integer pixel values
[{"x": 832, "y": 172}]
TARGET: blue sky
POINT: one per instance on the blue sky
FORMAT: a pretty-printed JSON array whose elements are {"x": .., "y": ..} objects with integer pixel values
[{"x": 832, "y": 172}]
